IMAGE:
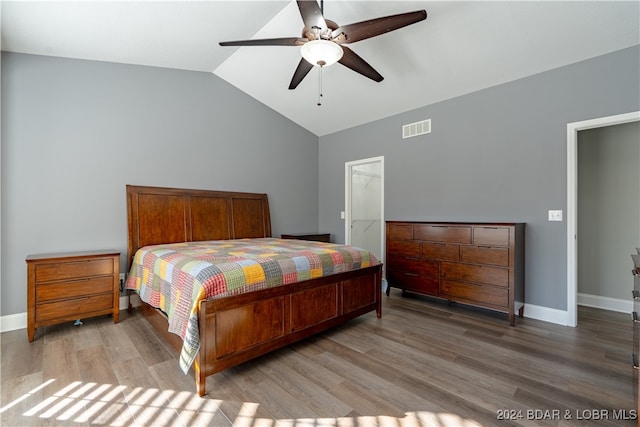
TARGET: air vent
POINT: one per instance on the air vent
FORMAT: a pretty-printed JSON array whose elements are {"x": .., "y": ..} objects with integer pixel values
[{"x": 417, "y": 128}]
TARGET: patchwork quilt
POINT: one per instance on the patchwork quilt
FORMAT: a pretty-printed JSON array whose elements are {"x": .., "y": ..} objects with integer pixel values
[{"x": 176, "y": 277}]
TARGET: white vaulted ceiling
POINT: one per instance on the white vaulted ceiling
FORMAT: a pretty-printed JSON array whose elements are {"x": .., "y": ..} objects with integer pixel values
[{"x": 461, "y": 47}]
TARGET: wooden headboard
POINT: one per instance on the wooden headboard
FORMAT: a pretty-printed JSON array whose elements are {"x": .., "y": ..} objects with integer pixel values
[{"x": 158, "y": 215}]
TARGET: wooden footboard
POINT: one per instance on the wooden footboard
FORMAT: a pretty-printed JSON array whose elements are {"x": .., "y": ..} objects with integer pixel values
[{"x": 239, "y": 328}]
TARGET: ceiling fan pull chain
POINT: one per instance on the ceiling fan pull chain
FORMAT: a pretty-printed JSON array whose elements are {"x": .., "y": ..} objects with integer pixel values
[{"x": 320, "y": 88}]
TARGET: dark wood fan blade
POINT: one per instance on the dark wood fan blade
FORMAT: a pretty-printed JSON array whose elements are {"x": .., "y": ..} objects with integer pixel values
[
  {"x": 375, "y": 27},
  {"x": 301, "y": 72},
  {"x": 286, "y": 41},
  {"x": 311, "y": 14},
  {"x": 351, "y": 60}
]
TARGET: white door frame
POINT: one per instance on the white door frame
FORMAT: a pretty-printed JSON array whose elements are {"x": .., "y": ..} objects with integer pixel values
[
  {"x": 348, "y": 166},
  {"x": 572, "y": 202}
]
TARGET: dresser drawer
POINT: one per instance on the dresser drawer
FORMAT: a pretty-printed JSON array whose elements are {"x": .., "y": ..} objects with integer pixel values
[
  {"x": 476, "y": 293},
  {"x": 76, "y": 307},
  {"x": 400, "y": 231},
  {"x": 475, "y": 273},
  {"x": 485, "y": 255},
  {"x": 46, "y": 272},
  {"x": 72, "y": 289},
  {"x": 497, "y": 236},
  {"x": 412, "y": 265},
  {"x": 442, "y": 233},
  {"x": 441, "y": 251},
  {"x": 408, "y": 248},
  {"x": 413, "y": 282}
]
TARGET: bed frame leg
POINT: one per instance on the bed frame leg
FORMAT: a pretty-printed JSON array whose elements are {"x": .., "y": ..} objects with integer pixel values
[{"x": 201, "y": 380}]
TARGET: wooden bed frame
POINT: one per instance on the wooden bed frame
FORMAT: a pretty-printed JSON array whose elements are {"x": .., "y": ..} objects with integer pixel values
[{"x": 239, "y": 328}]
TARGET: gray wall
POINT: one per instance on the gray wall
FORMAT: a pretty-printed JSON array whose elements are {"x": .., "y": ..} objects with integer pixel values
[
  {"x": 75, "y": 132},
  {"x": 498, "y": 154},
  {"x": 609, "y": 208}
]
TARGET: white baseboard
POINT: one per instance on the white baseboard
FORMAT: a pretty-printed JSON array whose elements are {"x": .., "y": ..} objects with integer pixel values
[
  {"x": 546, "y": 314},
  {"x": 13, "y": 322},
  {"x": 606, "y": 303},
  {"x": 561, "y": 317}
]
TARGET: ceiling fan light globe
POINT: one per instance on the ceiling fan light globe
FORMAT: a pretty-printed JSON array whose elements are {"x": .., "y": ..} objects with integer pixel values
[{"x": 321, "y": 52}]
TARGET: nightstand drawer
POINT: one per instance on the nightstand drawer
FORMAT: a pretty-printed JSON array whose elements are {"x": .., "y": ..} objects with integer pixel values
[
  {"x": 76, "y": 307},
  {"x": 73, "y": 289},
  {"x": 72, "y": 270}
]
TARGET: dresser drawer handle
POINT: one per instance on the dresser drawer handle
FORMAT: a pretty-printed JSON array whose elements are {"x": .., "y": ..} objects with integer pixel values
[
  {"x": 634, "y": 271},
  {"x": 635, "y": 316},
  {"x": 411, "y": 274},
  {"x": 634, "y": 361},
  {"x": 636, "y": 294}
]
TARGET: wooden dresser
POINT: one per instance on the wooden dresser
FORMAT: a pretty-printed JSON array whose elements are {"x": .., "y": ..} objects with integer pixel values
[
  {"x": 480, "y": 264},
  {"x": 71, "y": 286}
]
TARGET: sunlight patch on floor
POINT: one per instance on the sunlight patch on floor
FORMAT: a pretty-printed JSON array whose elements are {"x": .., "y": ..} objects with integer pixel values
[
  {"x": 25, "y": 396},
  {"x": 106, "y": 404}
]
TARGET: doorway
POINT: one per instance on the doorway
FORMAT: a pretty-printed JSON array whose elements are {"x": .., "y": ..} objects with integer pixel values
[
  {"x": 364, "y": 205},
  {"x": 572, "y": 202}
]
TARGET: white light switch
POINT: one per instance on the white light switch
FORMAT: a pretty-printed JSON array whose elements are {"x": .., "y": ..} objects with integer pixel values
[
  {"x": 555, "y": 215},
  {"x": 341, "y": 214}
]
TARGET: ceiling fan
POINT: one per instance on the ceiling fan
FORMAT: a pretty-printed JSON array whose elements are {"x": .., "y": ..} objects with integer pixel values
[{"x": 323, "y": 41}]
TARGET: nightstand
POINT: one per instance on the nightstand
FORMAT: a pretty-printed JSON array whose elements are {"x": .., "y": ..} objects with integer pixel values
[
  {"x": 318, "y": 237},
  {"x": 70, "y": 286}
]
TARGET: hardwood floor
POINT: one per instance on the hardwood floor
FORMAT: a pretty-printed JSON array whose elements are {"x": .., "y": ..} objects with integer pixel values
[{"x": 424, "y": 363}]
